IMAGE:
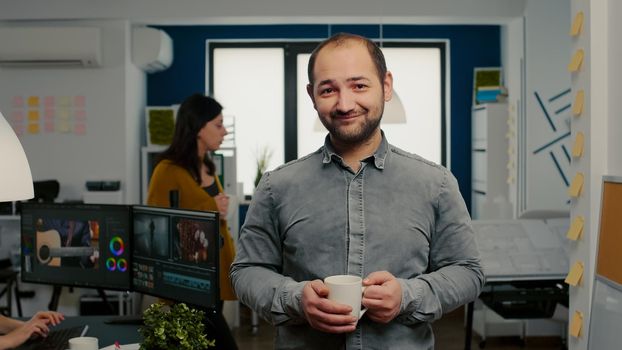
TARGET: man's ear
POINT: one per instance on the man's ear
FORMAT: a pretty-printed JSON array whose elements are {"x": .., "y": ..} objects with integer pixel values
[
  {"x": 387, "y": 86},
  {"x": 310, "y": 93}
]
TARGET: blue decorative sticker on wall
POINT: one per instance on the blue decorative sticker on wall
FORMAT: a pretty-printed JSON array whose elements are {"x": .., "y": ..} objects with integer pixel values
[{"x": 556, "y": 111}]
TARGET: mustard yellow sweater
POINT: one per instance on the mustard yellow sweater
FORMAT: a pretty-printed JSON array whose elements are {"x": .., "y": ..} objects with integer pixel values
[{"x": 168, "y": 176}]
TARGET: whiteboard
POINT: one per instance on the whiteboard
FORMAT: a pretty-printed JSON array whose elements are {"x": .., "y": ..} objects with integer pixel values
[{"x": 606, "y": 317}]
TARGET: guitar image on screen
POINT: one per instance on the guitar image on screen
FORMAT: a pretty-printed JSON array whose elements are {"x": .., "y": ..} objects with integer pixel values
[{"x": 50, "y": 251}]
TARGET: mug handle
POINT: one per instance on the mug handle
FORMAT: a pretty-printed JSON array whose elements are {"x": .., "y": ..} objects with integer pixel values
[{"x": 363, "y": 310}]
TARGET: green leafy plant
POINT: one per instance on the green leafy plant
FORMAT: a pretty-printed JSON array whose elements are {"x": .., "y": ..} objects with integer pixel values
[
  {"x": 263, "y": 158},
  {"x": 173, "y": 327}
]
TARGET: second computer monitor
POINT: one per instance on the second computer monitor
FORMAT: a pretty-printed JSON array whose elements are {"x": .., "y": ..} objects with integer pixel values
[{"x": 175, "y": 255}]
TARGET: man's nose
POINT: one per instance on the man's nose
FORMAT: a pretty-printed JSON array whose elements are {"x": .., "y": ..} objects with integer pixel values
[{"x": 346, "y": 101}]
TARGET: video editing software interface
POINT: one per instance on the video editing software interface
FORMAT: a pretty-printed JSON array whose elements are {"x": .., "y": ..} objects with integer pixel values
[
  {"x": 175, "y": 254},
  {"x": 83, "y": 245}
]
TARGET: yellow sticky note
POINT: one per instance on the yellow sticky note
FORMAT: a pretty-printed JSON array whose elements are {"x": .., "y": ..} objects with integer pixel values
[
  {"x": 63, "y": 126},
  {"x": 577, "y": 147},
  {"x": 33, "y": 128},
  {"x": 63, "y": 113},
  {"x": 574, "y": 276},
  {"x": 33, "y": 115},
  {"x": 576, "y": 228},
  {"x": 63, "y": 101},
  {"x": 576, "y": 185},
  {"x": 576, "y": 324},
  {"x": 577, "y": 24},
  {"x": 577, "y": 59},
  {"x": 577, "y": 106},
  {"x": 33, "y": 101}
]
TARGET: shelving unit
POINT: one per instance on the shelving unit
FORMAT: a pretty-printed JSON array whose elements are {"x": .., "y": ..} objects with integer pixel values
[{"x": 489, "y": 153}]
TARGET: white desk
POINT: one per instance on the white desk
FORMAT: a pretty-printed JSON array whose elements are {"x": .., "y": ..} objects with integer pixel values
[{"x": 520, "y": 251}]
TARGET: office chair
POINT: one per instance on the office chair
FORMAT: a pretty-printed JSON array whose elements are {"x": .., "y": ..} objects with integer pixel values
[
  {"x": 45, "y": 191},
  {"x": 8, "y": 277}
]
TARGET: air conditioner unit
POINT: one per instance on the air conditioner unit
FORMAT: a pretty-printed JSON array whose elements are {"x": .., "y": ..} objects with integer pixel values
[
  {"x": 50, "y": 47},
  {"x": 152, "y": 49}
]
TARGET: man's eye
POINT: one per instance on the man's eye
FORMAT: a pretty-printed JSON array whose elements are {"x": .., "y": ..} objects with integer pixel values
[
  {"x": 360, "y": 86},
  {"x": 326, "y": 91}
]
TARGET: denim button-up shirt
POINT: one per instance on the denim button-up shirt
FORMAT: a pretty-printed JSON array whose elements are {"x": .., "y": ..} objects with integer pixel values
[{"x": 315, "y": 217}]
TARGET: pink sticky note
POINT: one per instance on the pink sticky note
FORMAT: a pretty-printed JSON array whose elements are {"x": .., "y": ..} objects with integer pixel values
[
  {"x": 79, "y": 101},
  {"x": 48, "y": 114},
  {"x": 17, "y": 102},
  {"x": 48, "y": 126},
  {"x": 17, "y": 116},
  {"x": 48, "y": 101},
  {"x": 79, "y": 129},
  {"x": 19, "y": 129}
]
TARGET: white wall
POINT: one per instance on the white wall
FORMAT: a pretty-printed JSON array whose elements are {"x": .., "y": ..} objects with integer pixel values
[
  {"x": 613, "y": 71},
  {"x": 547, "y": 44},
  {"x": 265, "y": 11},
  {"x": 114, "y": 94}
]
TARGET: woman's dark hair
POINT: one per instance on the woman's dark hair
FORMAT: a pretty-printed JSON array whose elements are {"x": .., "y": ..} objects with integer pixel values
[{"x": 193, "y": 114}]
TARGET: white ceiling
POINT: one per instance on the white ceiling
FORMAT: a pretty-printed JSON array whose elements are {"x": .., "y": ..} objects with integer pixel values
[{"x": 268, "y": 11}]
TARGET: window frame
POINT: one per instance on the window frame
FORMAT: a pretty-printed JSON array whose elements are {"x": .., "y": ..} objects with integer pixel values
[{"x": 291, "y": 48}]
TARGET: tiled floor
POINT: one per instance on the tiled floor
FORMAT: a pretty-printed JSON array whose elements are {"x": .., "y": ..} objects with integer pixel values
[{"x": 449, "y": 333}]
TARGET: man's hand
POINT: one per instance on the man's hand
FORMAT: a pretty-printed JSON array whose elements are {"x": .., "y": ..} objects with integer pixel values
[
  {"x": 382, "y": 297},
  {"x": 323, "y": 314}
]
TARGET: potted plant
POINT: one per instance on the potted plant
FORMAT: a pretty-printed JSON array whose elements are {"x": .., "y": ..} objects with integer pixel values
[
  {"x": 173, "y": 327},
  {"x": 263, "y": 158}
]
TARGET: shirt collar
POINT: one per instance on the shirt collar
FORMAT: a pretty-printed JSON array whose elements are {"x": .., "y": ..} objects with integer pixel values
[{"x": 379, "y": 156}]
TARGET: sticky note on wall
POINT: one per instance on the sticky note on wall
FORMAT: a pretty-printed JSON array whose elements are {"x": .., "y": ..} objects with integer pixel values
[
  {"x": 577, "y": 24},
  {"x": 576, "y": 228},
  {"x": 577, "y": 106},
  {"x": 576, "y": 324},
  {"x": 33, "y": 101},
  {"x": 577, "y": 147},
  {"x": 575, "y": 62},
  {"x": 574, "y": 276},
  {"x": 576, "y": 185}
]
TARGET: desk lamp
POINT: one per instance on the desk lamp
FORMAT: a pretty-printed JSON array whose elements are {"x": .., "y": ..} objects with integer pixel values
[{"x": 15, "y": 176}]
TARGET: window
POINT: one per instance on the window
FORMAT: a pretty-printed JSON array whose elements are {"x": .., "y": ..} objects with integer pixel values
[{"x": 264, "y": 86}]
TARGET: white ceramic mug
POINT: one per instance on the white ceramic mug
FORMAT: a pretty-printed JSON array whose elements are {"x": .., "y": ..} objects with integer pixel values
[
  {"x": 347, "y": 289},
  {"x": 84, "y": 343}
]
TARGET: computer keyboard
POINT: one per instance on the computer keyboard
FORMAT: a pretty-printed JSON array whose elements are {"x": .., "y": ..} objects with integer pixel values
[{"x": 57, "y": 339}]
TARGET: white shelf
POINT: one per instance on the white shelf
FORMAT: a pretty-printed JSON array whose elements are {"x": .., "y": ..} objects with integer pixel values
[{"x": 489, "y": 159}]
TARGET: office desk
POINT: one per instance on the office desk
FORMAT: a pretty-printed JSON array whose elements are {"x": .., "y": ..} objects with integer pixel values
[
  {"x": 106, "y": 333},
  {"x": 524, "y": 261}
]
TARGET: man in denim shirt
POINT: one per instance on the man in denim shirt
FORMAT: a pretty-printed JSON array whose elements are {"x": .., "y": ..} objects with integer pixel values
[{"x": 357, "y": 206}]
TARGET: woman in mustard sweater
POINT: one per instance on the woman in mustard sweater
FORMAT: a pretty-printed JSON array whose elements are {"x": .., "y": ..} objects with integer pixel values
[{"x": 185, "y": 167}]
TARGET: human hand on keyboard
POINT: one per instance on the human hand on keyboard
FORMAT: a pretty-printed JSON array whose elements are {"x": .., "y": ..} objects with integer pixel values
[
  {"x": 32, "y": 328},
  {"x": 18, "y": 332},
  {"x": 49, "y": 317}
]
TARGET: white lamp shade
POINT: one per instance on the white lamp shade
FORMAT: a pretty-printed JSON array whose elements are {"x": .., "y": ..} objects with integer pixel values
[
  {"x": 394, "y": 112},
  {"x": 15, "y": 176}
]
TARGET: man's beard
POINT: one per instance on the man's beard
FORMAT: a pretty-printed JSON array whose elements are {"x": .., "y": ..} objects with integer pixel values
[{"x": 362, "y": 134}]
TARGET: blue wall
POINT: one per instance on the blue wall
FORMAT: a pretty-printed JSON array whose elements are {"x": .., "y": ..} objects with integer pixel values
[{"x": 470, "y": 46}]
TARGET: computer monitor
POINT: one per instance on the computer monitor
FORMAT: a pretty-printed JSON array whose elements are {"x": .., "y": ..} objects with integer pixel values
[
  {"x": 82, "y": 245},
  {"x": 175, "y": 255}
]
